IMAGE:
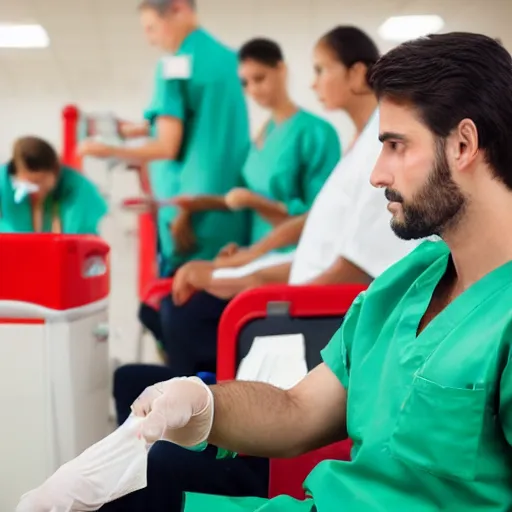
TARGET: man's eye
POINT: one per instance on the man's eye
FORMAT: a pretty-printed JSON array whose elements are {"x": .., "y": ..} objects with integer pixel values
[{"x": 393, "y": 145}]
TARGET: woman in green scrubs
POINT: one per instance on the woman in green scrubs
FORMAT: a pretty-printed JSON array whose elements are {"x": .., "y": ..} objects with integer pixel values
[
  {"x": 290, "y": 158},
  {"x": 38, "y": 195},
  {"x": 198, "y": 129}
]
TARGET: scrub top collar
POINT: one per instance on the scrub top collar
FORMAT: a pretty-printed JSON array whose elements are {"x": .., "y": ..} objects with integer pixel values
[{"x": 188, "y": 40}]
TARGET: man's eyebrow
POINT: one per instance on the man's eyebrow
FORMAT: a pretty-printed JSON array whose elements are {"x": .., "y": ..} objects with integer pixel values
[{"x": 383, "y": 137}]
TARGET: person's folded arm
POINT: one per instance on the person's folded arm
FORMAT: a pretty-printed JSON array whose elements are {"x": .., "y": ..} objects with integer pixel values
[
  {"x": 227, "y": 288},
  {"x": 273, "y": 212},
  {"x": 201, "y": 203},
  {"x": 286, "y": 234}
]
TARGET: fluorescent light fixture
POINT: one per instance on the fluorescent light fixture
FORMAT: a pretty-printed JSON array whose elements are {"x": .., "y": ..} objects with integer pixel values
[
  {"x": 14, "y": 35},
  {"x": 403, "y": 28}
]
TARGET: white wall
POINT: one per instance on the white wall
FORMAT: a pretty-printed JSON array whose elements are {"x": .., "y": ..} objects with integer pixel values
[{"x": 98, "y": 61}]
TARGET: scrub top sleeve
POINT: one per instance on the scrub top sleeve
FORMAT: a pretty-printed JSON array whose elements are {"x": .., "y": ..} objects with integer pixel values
[
  {"x": 321, "y": 152},
  {"x": 336, "y": 355},
  {"x": 168, "y": 98},
  {"x": 170, "y": 101}
]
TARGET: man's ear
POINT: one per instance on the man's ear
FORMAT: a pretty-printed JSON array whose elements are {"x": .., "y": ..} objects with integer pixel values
[{"x": 464, "y": 144}]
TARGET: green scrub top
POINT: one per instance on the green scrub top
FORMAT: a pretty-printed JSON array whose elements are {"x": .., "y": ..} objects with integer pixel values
[
  {"x": 76, "y": 201},
  {"x": 430, "y": 415},
  {"x": 164, "y": 175},
  {"x": 209, "y": 100},
  {"x": 291, "y": 165}
]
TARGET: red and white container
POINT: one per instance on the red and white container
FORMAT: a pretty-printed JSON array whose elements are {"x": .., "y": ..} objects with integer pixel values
[{"x": 54, "y": 369}]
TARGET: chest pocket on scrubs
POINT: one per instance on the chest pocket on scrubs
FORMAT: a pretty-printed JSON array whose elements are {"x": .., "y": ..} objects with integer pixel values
[{"x": 439, "y": 428}]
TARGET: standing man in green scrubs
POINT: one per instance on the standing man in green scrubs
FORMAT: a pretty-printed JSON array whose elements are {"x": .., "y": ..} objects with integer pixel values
[{"x": 199, "y": 130}]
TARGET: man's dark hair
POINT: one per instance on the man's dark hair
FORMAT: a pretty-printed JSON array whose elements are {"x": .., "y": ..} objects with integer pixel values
[
  {"x": 451, "y": 77},
  {"x": 351, "y": 45},
  {"x": 261, "y": 50},
  {"x": 35, "y": 155},
  {"x": 162, "y": 6}
]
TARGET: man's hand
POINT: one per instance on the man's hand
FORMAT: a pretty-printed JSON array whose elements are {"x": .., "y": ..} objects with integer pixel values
[
  {"x": 228, "y": 250},
  {"x": 240, "y": 198},
  {"x": 94, "y": 148},
  {"x": 183, "y": 232},
  {"x": 192, "y": 277},
  {"x": 178, "y": 410}
]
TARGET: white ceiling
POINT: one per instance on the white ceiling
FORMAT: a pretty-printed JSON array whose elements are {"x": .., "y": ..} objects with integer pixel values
[{"x": 97, "y": 49}]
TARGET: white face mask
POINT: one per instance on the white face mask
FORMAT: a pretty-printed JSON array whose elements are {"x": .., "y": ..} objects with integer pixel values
[{"x": 22, "y": 189}]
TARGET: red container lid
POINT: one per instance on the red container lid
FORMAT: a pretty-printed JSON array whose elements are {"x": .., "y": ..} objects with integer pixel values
[{"x": 59, "y": 272}]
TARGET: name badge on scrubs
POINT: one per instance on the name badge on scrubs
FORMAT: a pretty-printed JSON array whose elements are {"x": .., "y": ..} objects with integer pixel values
[{"x": 177, "y": 67}]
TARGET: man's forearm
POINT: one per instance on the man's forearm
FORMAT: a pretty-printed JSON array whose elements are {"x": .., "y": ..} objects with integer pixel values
[
  {"x": 273, "y": 212},
  {"x": 205, "y": 202},
  {"x": 227, "y": 288},
  {"x": 134, "y": 130},
  {"x": 257, "y": 419},
  {"x": 151, "y": 150}
]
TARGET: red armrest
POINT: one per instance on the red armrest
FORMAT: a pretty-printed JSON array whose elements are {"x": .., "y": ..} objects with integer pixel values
[
  {"x": 156, "y": 291},
  {"x": 303, "y": 301}
]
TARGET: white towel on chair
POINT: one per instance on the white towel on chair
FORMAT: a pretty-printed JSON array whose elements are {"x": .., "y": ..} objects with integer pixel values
[{"x": 278, "y": 360}]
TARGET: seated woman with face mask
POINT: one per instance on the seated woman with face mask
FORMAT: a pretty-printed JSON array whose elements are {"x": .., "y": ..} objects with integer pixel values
[{"x": 39, "y": 195}]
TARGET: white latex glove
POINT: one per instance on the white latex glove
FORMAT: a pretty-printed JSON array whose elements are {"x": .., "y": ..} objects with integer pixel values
[
  {"x": 178, "y": 410},
  {"x": 108, "y": 470}
]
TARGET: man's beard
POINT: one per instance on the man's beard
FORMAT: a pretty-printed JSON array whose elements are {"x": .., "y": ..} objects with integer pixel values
[{"x": 437, "y": 206}]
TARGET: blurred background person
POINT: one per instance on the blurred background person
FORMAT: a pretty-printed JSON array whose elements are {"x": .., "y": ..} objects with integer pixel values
[{"x": 39, "y": 195}]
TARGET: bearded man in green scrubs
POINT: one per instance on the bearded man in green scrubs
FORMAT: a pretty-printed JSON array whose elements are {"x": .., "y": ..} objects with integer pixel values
[
  {"x": 420, "y": 374},
  {"x": 198, "y": 125}
]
